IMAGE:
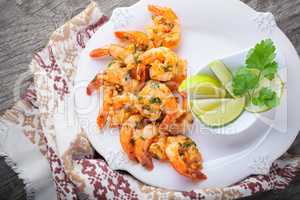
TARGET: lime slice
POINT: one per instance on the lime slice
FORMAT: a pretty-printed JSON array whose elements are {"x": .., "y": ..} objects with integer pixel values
[
  {"x": 218, "y": 112},
  {"x": 223, "y": 74},
  {"x": 203, "y": 86},
  {"x": 276, "y": 85}
]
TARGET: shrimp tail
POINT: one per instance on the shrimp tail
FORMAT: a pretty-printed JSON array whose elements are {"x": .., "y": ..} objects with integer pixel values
[
  {"x": 137, "y": 37},
  {"x": 146, "y": 161},
  {"x": 197, "y": 176},
  {"x": 99, "y": 53},
  {"x": 184, "y": 100},
  {"x": 91, "y": 88},
  {"x": 142, "y": 154},
  {"x": 124, "y": 35},
  {"x": 95, "y": 84},
  {"x": 162, "y": 11},
  {"x": 101, "y": 119}
]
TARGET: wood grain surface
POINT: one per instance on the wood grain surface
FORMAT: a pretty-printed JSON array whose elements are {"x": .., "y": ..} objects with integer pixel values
[{"x": 25, "y": 26}]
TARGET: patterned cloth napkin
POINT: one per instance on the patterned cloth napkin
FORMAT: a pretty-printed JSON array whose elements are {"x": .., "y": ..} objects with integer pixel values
[{"x": 74, "y": 166}]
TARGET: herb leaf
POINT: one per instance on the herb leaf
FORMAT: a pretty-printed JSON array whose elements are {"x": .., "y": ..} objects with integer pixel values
[
  {"x": 243, "y": 81},
  {"x": 270, "y": 70},
  {"x": 262, "y": 55},
  {"x": 266, "y": 97}
]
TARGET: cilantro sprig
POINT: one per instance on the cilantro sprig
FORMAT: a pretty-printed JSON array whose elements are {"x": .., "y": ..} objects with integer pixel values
[
  {"x": 244, "y": 81},
  {"x": 266, "y": 97},
  {"x": 260, "y": 63}
]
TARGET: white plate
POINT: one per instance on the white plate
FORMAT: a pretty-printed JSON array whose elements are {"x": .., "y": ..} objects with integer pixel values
[{"x": 211, "y": 29}]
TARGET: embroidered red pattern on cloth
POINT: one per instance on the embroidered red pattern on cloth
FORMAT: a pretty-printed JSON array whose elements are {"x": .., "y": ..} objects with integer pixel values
[
  {"x": 64, "y": 187},
  {"x": 89, "y": 31}
]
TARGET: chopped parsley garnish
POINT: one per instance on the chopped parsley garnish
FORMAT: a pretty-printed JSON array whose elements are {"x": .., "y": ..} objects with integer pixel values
[
  {"x": 154, "y": 85},
  {"x": 146, "y": 107},
  {"x": 187, "y": 144},
  {"x": 109, "y": 64},
  {"x": 170, "y": 25},
  {"x": 140, "y": 98},
  {"x": 136, "y": 57},
  {"x": 155, "y": 100},
  {"x": 167, "y": 68}
]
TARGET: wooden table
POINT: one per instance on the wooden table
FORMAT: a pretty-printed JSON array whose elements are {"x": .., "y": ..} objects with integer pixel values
[{"x": 25, "y": 26}]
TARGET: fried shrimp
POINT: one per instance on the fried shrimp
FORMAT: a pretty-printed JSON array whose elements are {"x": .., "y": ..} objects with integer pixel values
[
  {"x": 116, "y": 51},
  {"x": 184, "y": 156},
  {"x": 156, "y": 98},
  {"x": 162, "y": 63},
  {"x": 165, "y": 30},
  {"x": 128, "y": 55},
  {"x": 140, "y": 39},
  {"x": 135, "y": 138},
  {"x": 115, "y": 75}
]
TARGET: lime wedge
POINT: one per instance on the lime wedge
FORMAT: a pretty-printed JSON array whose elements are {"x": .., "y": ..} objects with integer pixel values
[
  {"x": 276, "y": 85},
  {"x": 223, "y": 74},
  {"x": 203, "y": 86},
  {"x": 218, "y": 112},
  {"x": 201, "y": 106}
]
